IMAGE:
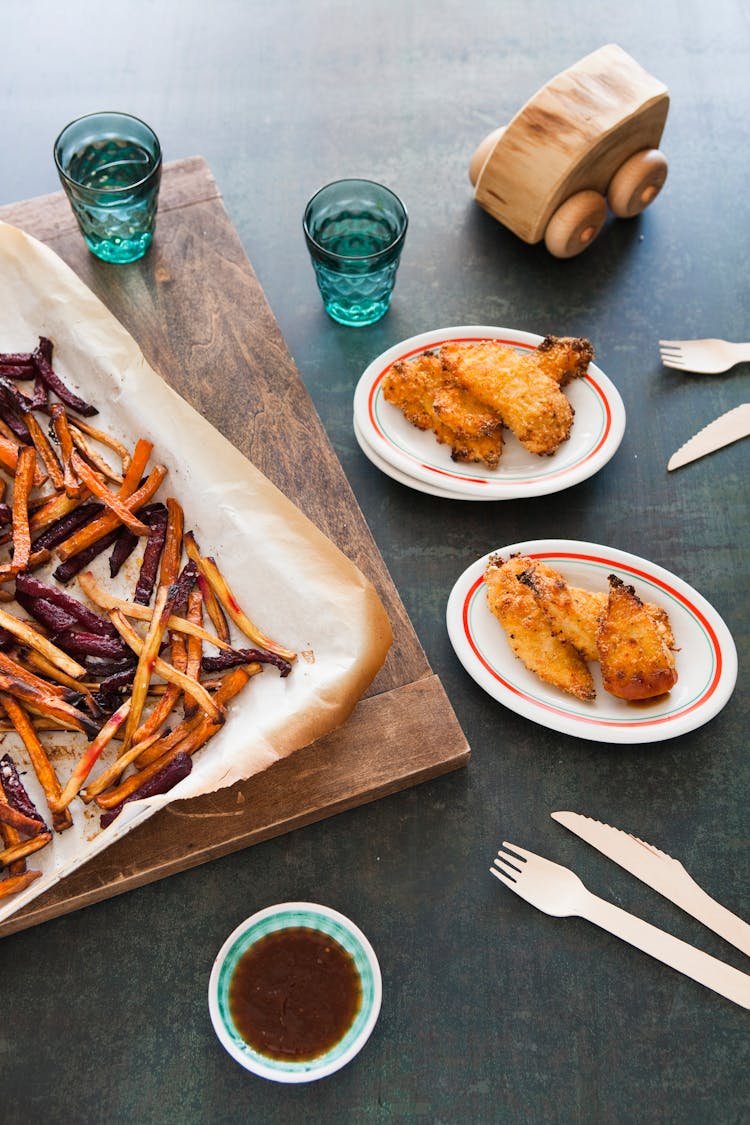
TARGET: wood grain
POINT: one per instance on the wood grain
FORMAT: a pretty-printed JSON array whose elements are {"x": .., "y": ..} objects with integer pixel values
[
  {"x": 572, "y": 135},
  {"x": 200, "y": 316}
]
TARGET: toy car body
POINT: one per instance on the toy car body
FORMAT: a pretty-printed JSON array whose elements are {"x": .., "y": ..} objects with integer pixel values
[{"x": 588, "y": 138}]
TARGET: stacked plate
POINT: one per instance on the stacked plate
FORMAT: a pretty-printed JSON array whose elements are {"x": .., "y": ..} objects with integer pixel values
[{"x": 415, "y": 458}]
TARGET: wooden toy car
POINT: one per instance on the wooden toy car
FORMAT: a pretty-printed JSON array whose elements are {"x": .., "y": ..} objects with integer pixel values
[{"x": 588, "y": 138}]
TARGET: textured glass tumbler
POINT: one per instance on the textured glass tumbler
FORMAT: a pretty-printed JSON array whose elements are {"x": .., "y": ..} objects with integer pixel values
[
  {"x": 110, "y": 167},
  {"x": 355, "y": 231}
]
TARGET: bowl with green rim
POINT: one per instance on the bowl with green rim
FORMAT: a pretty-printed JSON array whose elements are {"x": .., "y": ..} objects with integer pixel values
[{"x": 295, "y": 916}]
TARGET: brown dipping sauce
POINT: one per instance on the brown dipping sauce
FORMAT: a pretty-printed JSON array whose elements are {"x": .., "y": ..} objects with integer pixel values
[{"x": 294, "y": 994}]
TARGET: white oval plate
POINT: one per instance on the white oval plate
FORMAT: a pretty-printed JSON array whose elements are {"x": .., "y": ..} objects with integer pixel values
[
  {"x": 596, "y": 433},
  {"x": 706, "y": 657},
  {"x": 396, "y": 474}
]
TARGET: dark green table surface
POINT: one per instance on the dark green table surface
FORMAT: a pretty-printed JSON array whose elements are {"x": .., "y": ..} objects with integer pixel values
[{"x": 492, "y": 1011}]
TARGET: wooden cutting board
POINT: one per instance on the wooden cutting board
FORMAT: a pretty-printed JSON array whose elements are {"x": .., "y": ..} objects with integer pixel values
[{"x": 202, "y": 321}]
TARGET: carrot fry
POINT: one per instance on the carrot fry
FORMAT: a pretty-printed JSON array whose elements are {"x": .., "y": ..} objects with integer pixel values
[
  {"x": 228, "y": 687},
  {"x": 9, "y": 451},
  {"x": 18, "y": 820},
  {"x": 172, "y": 551},
  {"x": 15, "y": 883},
  {"x": 90, "y": 757},
  {"x": 43, "y": 767},
  {"x": 35, "y": 640},
  {"x": 108, "y": 521},
  {"x": 72, "y": 484},
  {"x": 97, "y": 487},
  {"x": 22, "y": 485},
  {"x": 45, "y": 451},
  {"x": 161, "y": 667},
  {"x": 218, "y": 584}
]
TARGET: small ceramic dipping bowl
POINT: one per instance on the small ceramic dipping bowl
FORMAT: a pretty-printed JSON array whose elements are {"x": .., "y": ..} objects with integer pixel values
[{"x": 264, "y": 944}]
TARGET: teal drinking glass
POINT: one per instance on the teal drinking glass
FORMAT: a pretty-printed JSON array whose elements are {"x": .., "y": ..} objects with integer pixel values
[
  {"x": 355, "y": 231},
  {"x": 110, "y": 167}
]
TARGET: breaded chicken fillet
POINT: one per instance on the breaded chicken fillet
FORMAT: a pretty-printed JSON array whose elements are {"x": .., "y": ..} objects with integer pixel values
[
  {"x": 432, "y": 400},
  {"x": 576, "y": 614},
  {"x": 524, "y": 389},
  {"x": 530, "y": 633},
  {"x": 635, "y": 659}
]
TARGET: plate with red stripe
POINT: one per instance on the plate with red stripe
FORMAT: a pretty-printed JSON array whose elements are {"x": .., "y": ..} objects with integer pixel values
[
  {"x": 706, "y": 657},
  {"x": 597, "y": 430}
]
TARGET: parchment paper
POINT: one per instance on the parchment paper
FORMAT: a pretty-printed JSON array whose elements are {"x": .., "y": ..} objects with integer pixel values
[{"x": 289, "y": 578}]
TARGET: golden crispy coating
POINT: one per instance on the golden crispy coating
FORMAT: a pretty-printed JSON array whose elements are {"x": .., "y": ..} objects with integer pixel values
[
  {"x": 431, "y": 400},
  {"x": 576, "y": 614},
  {"x": 530, "y": 634},
  {"x": 563, "y": 357},
  {"x": 636, "y": 662},
  {"x": 573, "y": 613},
  {"x": 528, "y": 400}
]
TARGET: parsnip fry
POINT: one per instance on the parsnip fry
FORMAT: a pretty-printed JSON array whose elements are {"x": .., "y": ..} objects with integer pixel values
[
  {"x": 91, "y": 756},
  {"x": 94, "y": 458},
  {"x": 36, "y": 641},
  {"x": 107, "y": 601},
  {"x": 213, "y": 608},
  {"x": 47, "y": 703},
  {"x": 161, "y": 667},
  {"x": 208, "y": 568},
  {"x": 26, "y": 847},
  {"x": 106, "y": 439},
  {"x": 194, "y": 645},
  {"x": 147, "y": 659},
  {"x": 172, "y": 693}
]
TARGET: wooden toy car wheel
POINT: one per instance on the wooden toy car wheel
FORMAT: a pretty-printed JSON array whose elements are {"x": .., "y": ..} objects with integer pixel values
[
  {"x": 575, "y": 224},
  {"x": 637, "y": 183}
]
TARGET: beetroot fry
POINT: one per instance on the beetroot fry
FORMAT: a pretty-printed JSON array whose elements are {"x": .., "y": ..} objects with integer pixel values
[
  {"x": 162, "y": 781},
  {"x": 53, "y": 382}
]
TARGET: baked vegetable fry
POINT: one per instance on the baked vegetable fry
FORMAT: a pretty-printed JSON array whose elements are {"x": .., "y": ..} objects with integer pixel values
[
  {"x": 100, "y": 597},
  {"x": 217, "y": 582},
  {"x": 108, "y": 521},
  {"x": 90, "y": 757},
  {"x": 187, "y": 738},
  {"x": 43, "y": 768},
  {"x": 162, "y": 668},
  {"x": 15, "y": 883}
]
